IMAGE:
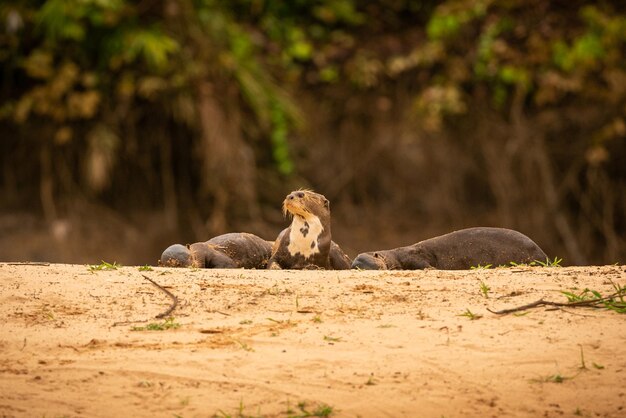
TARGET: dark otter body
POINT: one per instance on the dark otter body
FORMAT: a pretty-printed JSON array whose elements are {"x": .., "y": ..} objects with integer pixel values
[
  {"x": 457, "y": 250},
  {"x": 234, "y": 250},
  {"x": 307, "y": 242}
]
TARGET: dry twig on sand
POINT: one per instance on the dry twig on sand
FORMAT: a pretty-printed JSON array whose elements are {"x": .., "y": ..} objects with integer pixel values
[
  {"x": 28, "y": 263},
  {"x": 168, "y": 293}
]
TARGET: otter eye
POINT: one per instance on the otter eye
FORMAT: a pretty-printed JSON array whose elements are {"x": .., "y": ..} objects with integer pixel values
[{"x": 300, "y": 194}]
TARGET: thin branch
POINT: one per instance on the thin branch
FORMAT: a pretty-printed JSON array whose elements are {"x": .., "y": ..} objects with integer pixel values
[
  {"x": 593, "y": 303},
  {"x": 168, "y": 293},
  {"x": 540, "y": 302},
  {"x": 28, "y": 263}
]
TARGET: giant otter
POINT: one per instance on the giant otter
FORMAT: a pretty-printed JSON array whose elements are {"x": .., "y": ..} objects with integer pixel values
[
  {"x": 458, "y": 250},
  {"x": 307, "y": 242},
  {"x": 234, "y": 250}
]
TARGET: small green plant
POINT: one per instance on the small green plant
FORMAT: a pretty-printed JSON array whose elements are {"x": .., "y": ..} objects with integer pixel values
[
  {"x": 238, "y": 414},
  {"x": 548, "y": 263},
  {"x": 245, "y": 322},
  {"x": 484, "y": 289},
  {"x": 386, "y": 326},
  {"x": 370, "y": 381},
  {"x": 278, "y": 321},
  {"x": 276, "y": 291},
  {"x": 470, "y": 315},
  {"x": 421, "y": 315},
  {"x": 321, "y": 410},
  {"x": 244, "y": 346},
  {"x": 317, "y": 319},
  {"x": 332, "y": 339},
  {"x": 47, "y": 313},
  {"x": 587, "y": 298},
  {"x": 289, "y": 411},
  {"x": 556, "y": 378},
  {"x": 103, "y": 266},
  {"x": 583, "y": 366},
  {"x": 145, "y": 268},
  {"x": 480, "y": 267},
  {"x": 618, "y": 304},
  {"x": 159, "y": 326},
  {"x": 597, "y": 366},
  {"x": 615, "y": 302}
]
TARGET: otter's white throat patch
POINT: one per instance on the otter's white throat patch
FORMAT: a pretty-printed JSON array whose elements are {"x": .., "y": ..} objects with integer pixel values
[{"x": 303, "y": 236}]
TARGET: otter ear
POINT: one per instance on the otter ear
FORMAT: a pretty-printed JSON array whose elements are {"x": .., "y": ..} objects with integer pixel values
[
  {"x": 376, "y": 255},
  {"x": 326, "y": 204}
]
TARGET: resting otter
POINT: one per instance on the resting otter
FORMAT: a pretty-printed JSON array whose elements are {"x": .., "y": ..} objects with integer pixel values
[
  {"x": 307, "y": 242},
  {"x": 457, "y": 250},
  {"x": 234, "y": 250}
]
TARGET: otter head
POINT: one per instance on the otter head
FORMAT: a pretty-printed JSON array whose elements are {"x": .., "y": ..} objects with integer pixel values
[
  {"x": 305, "y": 203},
  {"x": 176, "y": 255},
  {"x": 310, "y": 228},
  {"x": 369, "y": 261}
]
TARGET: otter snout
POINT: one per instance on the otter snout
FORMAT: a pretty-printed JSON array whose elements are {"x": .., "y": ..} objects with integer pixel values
[
  {"x": 295, "y": 195},
  {"x": 368, "y": 262},
  {"x": 176, "y": 255}
]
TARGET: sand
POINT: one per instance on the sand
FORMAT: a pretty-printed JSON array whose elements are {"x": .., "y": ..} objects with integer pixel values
[{"x": 288, "y": 343}]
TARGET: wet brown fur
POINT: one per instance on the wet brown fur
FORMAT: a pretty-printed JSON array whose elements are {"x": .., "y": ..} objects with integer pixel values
[
  {"x": 234, "y": 250},
  {"x": 457, "y": 250},
  {"x": 330, "y": 255}
]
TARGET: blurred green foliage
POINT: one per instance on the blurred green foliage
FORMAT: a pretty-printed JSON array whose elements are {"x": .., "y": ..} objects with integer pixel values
[
  {"x": 70, "y": 60},
  {"x": 103, "y": 77}
]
